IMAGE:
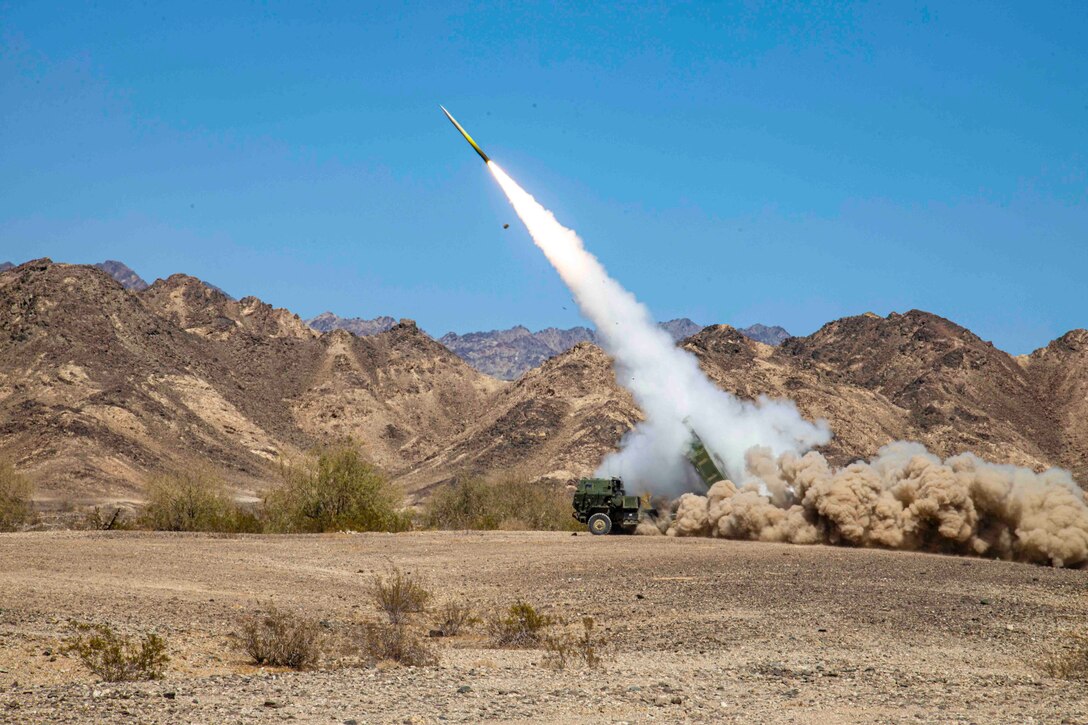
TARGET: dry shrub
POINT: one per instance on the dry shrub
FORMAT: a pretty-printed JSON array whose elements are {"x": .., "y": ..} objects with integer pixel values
[
  {"x": 399, "y": 595},
  {"x": 195, "y": 500},
  {"x": 519, "y": 626},
  {"x": 384, "y": 642},
  {"x": 454, "y": 617},
  {"x": 563, "y": 649},
  {"x": 115, "y": 658},
  {"x": 282, "y": 639},
  {"x": 104, "y": 519},
  {"x": 509, "y": 504},
  {"x": 1071, "y": 661},
  {"x": 337, "y": 490},
  {"x": 15, "y": 493}
]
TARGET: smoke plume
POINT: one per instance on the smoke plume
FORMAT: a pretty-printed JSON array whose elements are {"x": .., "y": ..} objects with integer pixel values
[
  {"x": 665, "y": 381},
  {"x": 904, "y": 498}
]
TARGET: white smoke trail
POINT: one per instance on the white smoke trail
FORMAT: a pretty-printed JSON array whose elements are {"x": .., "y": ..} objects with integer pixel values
[{"x": 665, "y": 381}]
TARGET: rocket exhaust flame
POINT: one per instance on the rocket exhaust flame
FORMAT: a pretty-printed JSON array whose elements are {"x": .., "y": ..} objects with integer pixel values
[{"x": 904, "y": 498}]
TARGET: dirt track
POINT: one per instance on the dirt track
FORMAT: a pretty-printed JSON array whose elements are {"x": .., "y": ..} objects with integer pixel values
[{"x": 732, "y": 631}]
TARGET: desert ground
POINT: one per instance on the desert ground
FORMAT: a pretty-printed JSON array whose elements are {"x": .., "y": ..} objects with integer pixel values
[{"x": 695, "y": 630}]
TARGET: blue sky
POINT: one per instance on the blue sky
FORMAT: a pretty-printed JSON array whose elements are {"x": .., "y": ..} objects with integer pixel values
[{"x": 736, "y": 163}]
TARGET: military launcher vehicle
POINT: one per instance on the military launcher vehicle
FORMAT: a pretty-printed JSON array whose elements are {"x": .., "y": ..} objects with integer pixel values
[{"x": 604, "y": 506}]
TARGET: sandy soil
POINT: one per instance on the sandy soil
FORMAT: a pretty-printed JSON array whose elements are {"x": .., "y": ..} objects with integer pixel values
[{"x": 696, "y": 630}]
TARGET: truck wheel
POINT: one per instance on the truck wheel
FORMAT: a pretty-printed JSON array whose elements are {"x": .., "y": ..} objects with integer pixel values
[{"x": 599, "y": 524}]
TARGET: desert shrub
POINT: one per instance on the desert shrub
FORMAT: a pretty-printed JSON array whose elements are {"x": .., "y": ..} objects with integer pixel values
[
  {"x": 1070, "y": 660},
  {"x": 336, "y": 491},
  {"x": 106, "y": 519},
  {"x": 116, "y": 658},
  {"x": 454, "y": 617},
  {"x": 194, "y": 500},
  {"x": 15, "y": 492},
  {"x": 399, "y": 595},
  {"x": 519, "y": 626},
  {"x": 397, "y": 643},
  {"x": 282, "y": 639},
  {"x": 474, "y": 503},
  {"x": 564, "y": 649}
]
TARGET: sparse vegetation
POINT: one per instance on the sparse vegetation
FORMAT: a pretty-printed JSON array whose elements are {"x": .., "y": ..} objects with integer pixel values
[
  {"x": 563, "y": 649},
  {"x": 1070, "y": 661},
  {"x": 282, "y": 639},
  {"x": 106, "y": 519},
  {"x": 336, "y": 491},
  {"x": 397, "y": 643},
  {"x": 15, "y": 493},
  {"x": 116, "y": 658},
  {"x": 194, "y": 500},
  {"x": 399, "y": 595},
  {"x": 508, "y": 504},
  {"x": 521, "y": 625},
  {"x": 455, "y": 617}
]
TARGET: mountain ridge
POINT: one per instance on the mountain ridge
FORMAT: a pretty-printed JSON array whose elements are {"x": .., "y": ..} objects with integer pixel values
[{"x": 102, "y": 388}]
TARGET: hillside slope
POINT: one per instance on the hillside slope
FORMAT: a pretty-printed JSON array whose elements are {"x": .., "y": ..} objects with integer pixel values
[{"x": 102, "y": 387}]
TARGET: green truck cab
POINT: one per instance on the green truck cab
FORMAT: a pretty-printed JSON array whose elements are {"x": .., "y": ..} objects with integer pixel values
[{"x": 604, "y": 506}]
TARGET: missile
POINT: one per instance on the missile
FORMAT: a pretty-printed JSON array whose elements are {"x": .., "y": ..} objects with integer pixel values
[{"x": 465, "y": 134}]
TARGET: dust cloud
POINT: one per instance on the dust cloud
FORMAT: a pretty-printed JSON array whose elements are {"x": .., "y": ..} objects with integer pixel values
[{"x": 904, "y": 498}]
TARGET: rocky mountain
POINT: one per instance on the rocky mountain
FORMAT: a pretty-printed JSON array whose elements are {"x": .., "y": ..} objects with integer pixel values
[
  {"x": 102, "y": 388},
  {"x": 767, "y": 335},
  {"x": 125, "y": 276},
  {"x": 5, "y": 266},
  {"x": 203, "y": 309},
  {"x": 1059, "y": 372},
  {"x": 327, "y": 322},
  {"x": 913, "y": 376},
  {"x": 681, "y": 328},
  {"x": 507, "y": 354},
  {"x": 555, "y": 422}
]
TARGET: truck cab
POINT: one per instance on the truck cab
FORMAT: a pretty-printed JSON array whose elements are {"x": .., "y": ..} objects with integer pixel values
[{"x": 604, "y": 506}]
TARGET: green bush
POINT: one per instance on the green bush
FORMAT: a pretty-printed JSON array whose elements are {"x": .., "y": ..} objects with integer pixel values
[
  {"x": 15, "y": 493},
  {"x": 336, "y": 491},
  {"x": 195, "y": 500},
  {"x": 115, "y": 658},
  {"x": 519, "y": 626},
  {"x": 474, "y": 503}
]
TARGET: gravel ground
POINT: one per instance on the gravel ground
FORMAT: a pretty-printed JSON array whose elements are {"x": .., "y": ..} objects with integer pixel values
[{"x": 694, "y": 630}]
